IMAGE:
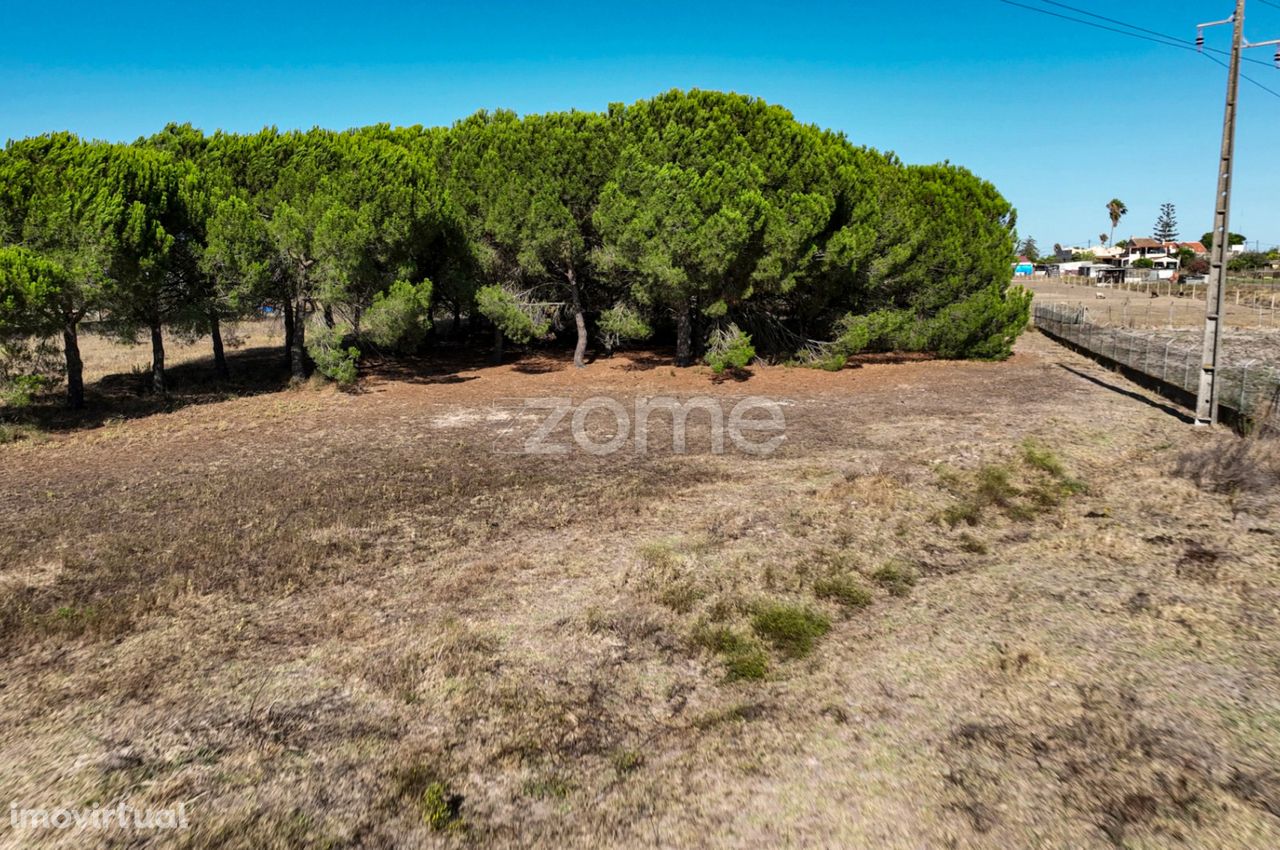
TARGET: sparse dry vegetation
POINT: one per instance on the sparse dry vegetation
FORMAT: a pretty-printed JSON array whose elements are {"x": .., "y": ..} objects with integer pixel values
[
  {"x": 1246, "y": 471},
  {"x": 843, "y": 589},
  {"x": 347, "y": 620}
]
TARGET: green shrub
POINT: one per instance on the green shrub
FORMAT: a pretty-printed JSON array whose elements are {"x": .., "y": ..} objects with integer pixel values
[
  {"x": 994, "y": 486},
  {"x": 964, "y": 511},
  {"x": 19, "y": 390},
  {"x": 729, "y": 349},
  {"x": 398, "y": 319},
  {"x": 333, "y": 357},
  {"x": 749, "y": 663},
  {"x": 1038, "y": 457},
  {"x": 622, "y": 322},
  {"x": 743, "y": 658},
  {"x": 895, "y": 577},
  {"x": 832, "y": 362},
  {"x": 883, "y": 330},
  {"x": 1042, "y": 459},
  {"x": 791, "y": 629},
  {"x": 440, "y": 807},
  {"x": 844, "y": 590},
  {"x": 517, "y": 321},
  {"x": 983, "y": 325}
]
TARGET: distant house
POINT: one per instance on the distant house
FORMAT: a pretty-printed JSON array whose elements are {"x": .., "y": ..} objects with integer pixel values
[
  {"x": 1024, "y": 268},
  {"x": 1163, "y": 255},
  {"x": 1074, "y": 267},
  {"x": 1101, "y": 253},
  {"x": 1092, "y": 269},
  {"x": 1196, "y": 248}
]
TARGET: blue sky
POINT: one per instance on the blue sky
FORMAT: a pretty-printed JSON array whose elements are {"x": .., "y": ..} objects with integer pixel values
[{"x": 1059, "y": 116}]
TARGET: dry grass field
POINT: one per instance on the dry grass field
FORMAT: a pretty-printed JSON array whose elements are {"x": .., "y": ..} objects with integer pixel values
[
  {"x": 1251, "y": 330},
  {"x": 964, "y": 605},
  {"x": 1255, "y": 309}
]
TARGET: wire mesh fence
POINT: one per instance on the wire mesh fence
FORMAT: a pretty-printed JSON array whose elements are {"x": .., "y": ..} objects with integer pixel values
[
  {"x": 1248, "y": 387},
  {"x": 1162, "y": 302}
]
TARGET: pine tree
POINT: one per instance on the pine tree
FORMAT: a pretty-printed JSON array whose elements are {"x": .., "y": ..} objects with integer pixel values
[{"x": 1166, "y": 229}]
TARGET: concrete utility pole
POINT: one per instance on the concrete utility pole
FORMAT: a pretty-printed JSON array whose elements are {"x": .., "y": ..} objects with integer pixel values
[{"x": 1207, "y": 398}]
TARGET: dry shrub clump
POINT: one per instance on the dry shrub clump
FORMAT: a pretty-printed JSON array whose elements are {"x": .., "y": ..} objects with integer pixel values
[{"x": 1247, "y": 470}]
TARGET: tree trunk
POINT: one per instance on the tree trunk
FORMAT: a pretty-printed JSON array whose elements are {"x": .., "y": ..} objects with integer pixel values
[
  {"x": 298, "y": 347},
  {"x": 288, "y": 330},
  {"x": 497, "y": 345},
  {"x": 456, "y": 330},
  {"x": 75, "y": 367},
  {"x": 684, "y": 334},
  {"x": 157, "y": 359},
  {"x": 328, "y": 317},
  {"x": 219, "y": 355},
  {"x": 575, "y": 300}
]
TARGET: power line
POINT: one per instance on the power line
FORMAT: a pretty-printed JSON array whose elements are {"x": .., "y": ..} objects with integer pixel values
[
  {"x": 1151, "y": 31},
  {"x": 1111, "y": 20},
  {"x": 1133, "y": 31},
  {"x": 1269, "y": 91},
  {"x": 1162, "y": 40}
]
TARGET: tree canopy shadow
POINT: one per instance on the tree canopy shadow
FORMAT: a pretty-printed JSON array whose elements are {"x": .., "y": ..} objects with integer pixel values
[
  {"x": 128, "y": 395},
  {"x": 736, "y": 375},
  {"x": 648, "y": 359},
  {"x": 432, "y": 368}
]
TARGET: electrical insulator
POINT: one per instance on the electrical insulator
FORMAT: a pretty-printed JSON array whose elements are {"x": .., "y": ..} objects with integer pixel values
[
  {"x": 1278, "y": 57},
  {"x": 1200, "y": 40}
]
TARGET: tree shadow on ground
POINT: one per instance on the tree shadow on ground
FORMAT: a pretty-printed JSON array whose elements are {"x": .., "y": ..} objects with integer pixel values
[
  {"x": 446, "y": 363},
  {"x": 645, "y": 361},
  {"x": 426, "y": 368},
  {"x": 128, "y": 395},
  {"x": 737, "y": 376}
]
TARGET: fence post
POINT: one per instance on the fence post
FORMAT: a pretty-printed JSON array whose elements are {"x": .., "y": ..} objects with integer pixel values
[{"x": 1244, "y": 385}]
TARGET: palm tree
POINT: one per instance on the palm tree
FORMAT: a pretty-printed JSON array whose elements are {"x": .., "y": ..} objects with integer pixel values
[
  {"x": 1102, "y": 237},
  {"x": 1116, "y": 209}
]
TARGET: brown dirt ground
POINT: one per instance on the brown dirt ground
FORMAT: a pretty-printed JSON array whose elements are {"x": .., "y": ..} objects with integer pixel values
[{"x": 357, "y": 619}]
